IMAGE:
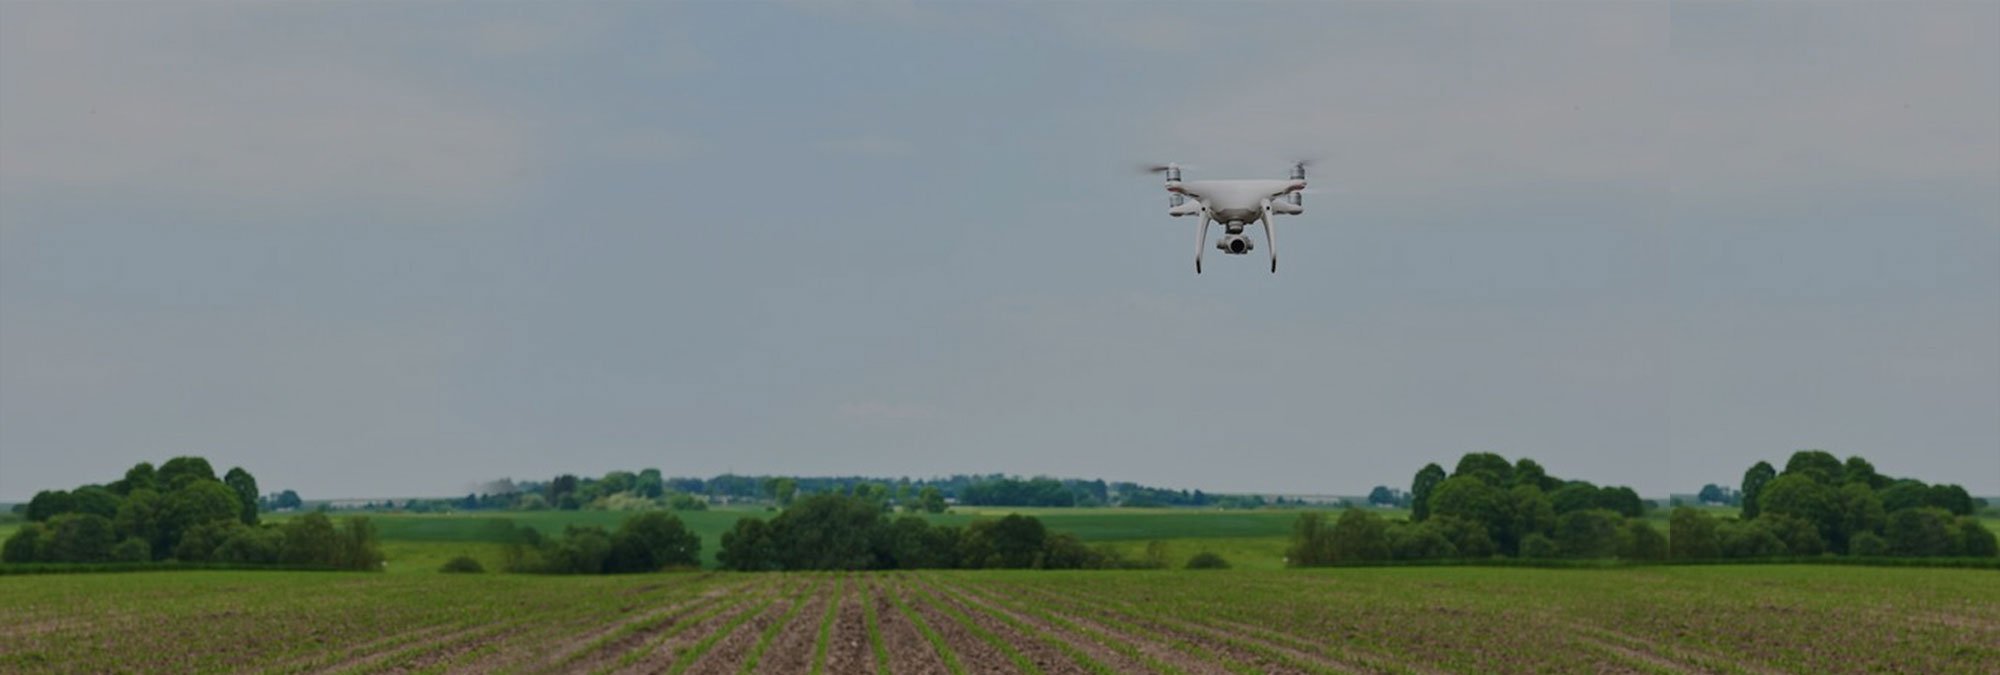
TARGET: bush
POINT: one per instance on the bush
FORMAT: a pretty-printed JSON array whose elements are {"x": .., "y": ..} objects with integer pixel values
[
  {"x": 1207, "y": 561},
  {"x": 464, "y": 564},
  {"x": 24, "y": 546}
]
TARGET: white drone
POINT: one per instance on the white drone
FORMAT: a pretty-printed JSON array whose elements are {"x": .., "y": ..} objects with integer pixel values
[{"x": 1234, "y": 203}]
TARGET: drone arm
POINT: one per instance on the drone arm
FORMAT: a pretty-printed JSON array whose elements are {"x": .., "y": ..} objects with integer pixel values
[
  {"x": 1200, "y": 241},
  {"x": 1270, "y": 241}
]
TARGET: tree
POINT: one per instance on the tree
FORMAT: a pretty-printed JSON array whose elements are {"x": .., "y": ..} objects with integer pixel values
[
  {"x": 1904, "y": 494},
  {"x": 1575, "y": 495},
  {"x": 144, "y": 515},
  {"x": 246, "y": 492},
  {"x": 1868, "y": 544},
  {"x": 24, "y": 546},
  {"x": 78, "y": 538},
  {"x": 1312, "y": 541},
  {"x": 1469, "y": 538},
  {"x": 1590, "y": 533},
  {"x": 1640, "y": 541},
  {"x": 1419, "y": 541},
  {"x": 747, "y": 547},
  {"x": 1975, "y": 540},
  {"x": 49, "y": 504},
  {"x": 95, "y": 500},
  {"x": 1622, "y": 500},
  {"x": 1806, "y": 497},
  {"x": 1820, "y": 465},
  {"x": 649, "y": 484},
  {"x": 650, "y": 541},
  {"x": 1923, "y": 532},
  {"x": 1858, "y": 470},
  {"x": 828, "y": 532},
  {"x": 1692, "y": 536},
  {"x": 1530, "y": 472},
  {"x": 1748, "y": 539},
  {"x": 1753, "y": 486},
  {"x": 1012, "y": 542},
  {"x": 1951, "y": 498},
  {"x": 930, "y": 500},
  {"x": 1360, "y": 536},
  {"x": 1382, "y": 496},
  {"x": 617, "y": 481},
  {"x": 1801, "y": 537},
  {"x": 781, "y": 490},
  {"x": 1538, "y": 546},
  {"x": 311, "y": 539},
  {"x": 1206, "y": 560},
  {"x": 1860, "y": 513},
  {"x": 180, "y": 471},
  {"x": 1530, "y": 512},
  {"x": 290, "y": 500},
  {"x": 140, "y": 477},
  {"x": 199, "y": 543},
  {"x": 1712, "y": 494},
  {"x": 1486, "y": 466},
  {"x": 1473, "y": 499},
  {"x": 194, "y": 503},
  {"x": 1426, "y": 481}
]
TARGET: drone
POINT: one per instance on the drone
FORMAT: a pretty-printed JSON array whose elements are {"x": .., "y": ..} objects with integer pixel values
[{"x": 1234, "y": 203}]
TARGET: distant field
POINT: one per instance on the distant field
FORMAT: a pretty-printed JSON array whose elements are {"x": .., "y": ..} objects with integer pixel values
[{"x": 1471, "y": 620}]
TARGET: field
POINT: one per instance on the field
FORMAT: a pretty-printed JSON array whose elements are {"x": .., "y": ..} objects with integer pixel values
[{"x": 1473, "y": 620}]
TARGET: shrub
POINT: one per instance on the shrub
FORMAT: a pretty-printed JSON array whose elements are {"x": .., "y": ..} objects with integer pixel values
[
  {"x": 1537, "y": 546},
  {"x": 1868, "y": 544},
  {"x": 1207, "y": 561},
  {"x": 464, "y": 564},
  {"x": 24, "y": 546},
  {"x": 133, "y": 549}
]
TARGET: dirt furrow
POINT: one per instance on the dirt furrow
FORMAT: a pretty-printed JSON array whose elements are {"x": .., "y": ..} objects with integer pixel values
[
  {"x": 371, "y": 661},
  {"x": 534, "y": 656},
  {"x": 1044, "y": 650},
  {"x": 1161, "y": 653},
  {"x": 847, "y": 645},
  {"x": 1261, "y": 654},
  {"x": 974, "y": 653},
  {"x": 909, "y": 652},
  {"x": 983, "y": 609},
  {"x": 1646, "y": 662},
  {"x": 728, "y": 654},
  {"x": 655, "y": 649},
  {"x": 794, "y": 647},
  {"x": 336, "y": 654}
]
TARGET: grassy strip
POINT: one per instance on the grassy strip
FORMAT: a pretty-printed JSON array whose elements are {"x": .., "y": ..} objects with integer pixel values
[
  {"x": 874, "y": 629},
  {"x": 826, "y": 626},
  {"x": 771, "y": 632},
  {"x": 1093, "y": 634},
  {"x": 1070, "y": 650},
  {"x": 1020, "y": 660},
  {"x": 160, "y": 566},
  {"x": 687, "y": 658},
  {"x": 1612, "y": 563},
  {"x": 930, "y": 635}
]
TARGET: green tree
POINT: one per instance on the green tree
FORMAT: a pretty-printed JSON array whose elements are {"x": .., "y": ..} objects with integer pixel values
[
  {"x": 1012, "y": 542},
  {"x": 1801, "y": 536},
  {"x": 199, "y": 543},
  {"x": 828, "y": 532},
  {"x": 1951, "y": 498},
  {"x": 617, "y": 481},
  {"x": 1530, "y": 472},
  {"x": 1538, "y": 546},
  {"x": 144, "y": 515},
  {"x": 132, "y": 549},
  {"x": 1468, "y": 537},
  {"x": 1207, "y": 560},
  {"x": 180, "y": 471},
  {"x": 748, "y": 547},
  {"x": 1474, "y": 499},
  {"x": 1868, "y": 544},
  {"x": 24, "y": 546},
  {"x": 140, "y": 477},
  {"x": 1575, "y": 495},
  {"x": 1975, "y": 540},
  {"x": 1426, "y": 482},
  {"x": 1638, "y": 540},
  {"x": 253, "y": 546},
  {"x": 1486, "y": 466},
  {"x": 1621, "y": 500},
  {"x": 79, "y": 538},
  {"x": 1820, "y": 465},
  {"x": 1923, "y": 532},
  {"x": 1530, "y": 512},
  {"x": 1312, "y": 541},
  {"x": 1805, "y": 496},
  {"x": 1360, "y": 536},
  {"x": 194, "y": 503},
  {"x": 1590, "y": 533},
  {"x": 1419, "y": 541},
  {"x": 1748, "y": 539},
  {"x": 311, "y": 539},
  {"x": 930, "y": 500},
  {"x": 1860, "y": 512},
  {"x": 782, "y": 490},
  {"x": 94, "y": 500},
  {"x": 650, "y": 484},
  {"x": 1753, "y": 486},
  {"x": 1904, "y": 494},
  {"x": 1858, "y": 470},
  {"x": 246, "y": 492},
  {"x": 49, "y": 504},
  {"x": 650, "y": 541},
  {"x": 1692, "y": 536}
]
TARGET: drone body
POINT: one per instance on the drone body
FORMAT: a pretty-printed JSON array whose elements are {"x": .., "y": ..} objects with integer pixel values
[{"x": 1235, "y": 204}]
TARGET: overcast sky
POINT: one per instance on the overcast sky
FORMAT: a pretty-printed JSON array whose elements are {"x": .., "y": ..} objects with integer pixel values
[{"x": 391, "y": 249}]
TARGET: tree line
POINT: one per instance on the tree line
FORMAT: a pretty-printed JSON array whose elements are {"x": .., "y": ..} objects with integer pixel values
[
  {"x": 1820, "y": 505},
  {"x": 181, "y": 511},
  {"x": 1485, "y": 507},
  {"x": 848, "y": 531}
]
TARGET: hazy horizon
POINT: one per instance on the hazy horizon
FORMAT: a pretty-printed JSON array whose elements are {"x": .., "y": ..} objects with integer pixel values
[{"x": 394, "y": 249}]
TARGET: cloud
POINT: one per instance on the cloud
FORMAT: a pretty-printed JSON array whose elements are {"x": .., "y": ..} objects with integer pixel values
[{"x": 200, "y": 107}]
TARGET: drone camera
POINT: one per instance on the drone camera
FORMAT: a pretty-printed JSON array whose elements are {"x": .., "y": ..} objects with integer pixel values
[{"x": 1235, "y": 244}]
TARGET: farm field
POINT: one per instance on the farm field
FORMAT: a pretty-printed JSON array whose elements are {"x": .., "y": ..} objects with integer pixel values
[{"x": 1758, "y": 618}]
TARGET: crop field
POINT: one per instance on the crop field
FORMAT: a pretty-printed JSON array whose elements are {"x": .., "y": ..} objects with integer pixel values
[{"x": 1753, "y": 619}]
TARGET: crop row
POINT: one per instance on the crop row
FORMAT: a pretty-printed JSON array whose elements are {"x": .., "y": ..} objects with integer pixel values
[{"x": 1722, "y": 619}]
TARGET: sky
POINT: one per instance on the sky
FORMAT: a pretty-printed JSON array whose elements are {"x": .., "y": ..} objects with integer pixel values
[{"x": 374, "y": 249}]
